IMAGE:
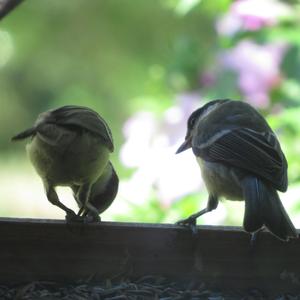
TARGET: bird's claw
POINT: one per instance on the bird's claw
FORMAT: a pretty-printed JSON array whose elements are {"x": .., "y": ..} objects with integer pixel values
[
  {"x": 96, "y": 218},
  {"x": 89, "y": 214},
  {"x": 189, "y": 222},
  {"x": 71, "y": 217},
  {"x": 93, "y": 218}
]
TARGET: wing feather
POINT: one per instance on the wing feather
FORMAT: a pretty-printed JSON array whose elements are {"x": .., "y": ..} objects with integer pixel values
[
  {"x": 82, "y": 117},
  {"x": 256, "y": 152}
]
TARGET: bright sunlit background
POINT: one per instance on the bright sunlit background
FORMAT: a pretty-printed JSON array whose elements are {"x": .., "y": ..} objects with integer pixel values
[{"x": 145, "y": 66}]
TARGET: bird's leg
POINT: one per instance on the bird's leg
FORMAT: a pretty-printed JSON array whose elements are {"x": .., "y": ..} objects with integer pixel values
[
  {"x": 82, "y": 211},
  {"x": 75, "y": 189},
  {"x": 88, "y": 214},
  {"x": 53, "y": 198},
  {"x": 83, "y": 196},
  {"x": 191, "y": 221}
]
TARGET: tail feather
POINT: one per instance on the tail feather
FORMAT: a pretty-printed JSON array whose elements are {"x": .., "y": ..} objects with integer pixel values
[
  {"x": 263, "y": 207},
  {"x": 276, "y": 218},
  {"x": 253, "y": 219},
  {"x": 24, "y": 134}
]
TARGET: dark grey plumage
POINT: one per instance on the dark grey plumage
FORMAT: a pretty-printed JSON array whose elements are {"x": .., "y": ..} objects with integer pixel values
[{"x": 240, "y": 159}]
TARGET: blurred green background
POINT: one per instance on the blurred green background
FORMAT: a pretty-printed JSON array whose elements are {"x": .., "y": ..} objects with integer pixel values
[{"x": 145, "y": 66}]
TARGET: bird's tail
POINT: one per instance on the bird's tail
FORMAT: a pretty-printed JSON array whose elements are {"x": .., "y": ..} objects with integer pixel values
[
  {"x": 263, "y": 207},
  {"x": 24, "y": 134}
]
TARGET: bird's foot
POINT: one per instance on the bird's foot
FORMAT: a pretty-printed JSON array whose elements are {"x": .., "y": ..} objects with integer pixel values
[
  {"x": 72, "y": 217},
  {"x": 190, "y": 222},
  {"x": 91, "y": 218}
]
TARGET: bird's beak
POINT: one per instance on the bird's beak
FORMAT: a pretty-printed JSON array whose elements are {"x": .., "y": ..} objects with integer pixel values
[{"x": 185, "y": 145}]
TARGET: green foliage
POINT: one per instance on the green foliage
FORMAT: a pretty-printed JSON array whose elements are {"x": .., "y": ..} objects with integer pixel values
[
  {"x": 155, "y": 211},
  {"x": 122, "y": 57},
  {"x": 287, "y": 125}
]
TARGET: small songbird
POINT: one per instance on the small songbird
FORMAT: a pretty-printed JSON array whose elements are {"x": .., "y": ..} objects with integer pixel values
[
  {"x": 240, "y": 159},
  {"x": 70, "y": 146}
]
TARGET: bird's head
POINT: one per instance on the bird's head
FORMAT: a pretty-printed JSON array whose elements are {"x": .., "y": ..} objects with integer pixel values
[{"x": 194, "y": 119}]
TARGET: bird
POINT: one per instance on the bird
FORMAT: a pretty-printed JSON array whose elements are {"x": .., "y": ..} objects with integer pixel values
[
  {"x": 70, "y": 146},
  {"x": 240, "y": 159}
]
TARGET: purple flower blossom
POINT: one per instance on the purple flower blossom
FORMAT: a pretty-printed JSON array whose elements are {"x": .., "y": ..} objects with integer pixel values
[
  {"x": 208, "y": 78},
  {"x": 252, "y": 15},
  {"x": 258, "y": 67},
  {"x": 150, "y": 147}
]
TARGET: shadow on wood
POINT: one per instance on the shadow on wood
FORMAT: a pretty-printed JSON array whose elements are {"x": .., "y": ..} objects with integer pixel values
[{"x": 33, "y": 249}]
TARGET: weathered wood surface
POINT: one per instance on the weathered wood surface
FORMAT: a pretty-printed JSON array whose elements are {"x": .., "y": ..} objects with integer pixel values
[{"x": 222, "y": 257}]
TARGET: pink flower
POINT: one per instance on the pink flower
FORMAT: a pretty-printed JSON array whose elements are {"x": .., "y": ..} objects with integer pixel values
[
  {"x": 258, "y": 67},
  {"x": 252, "y": 15}
]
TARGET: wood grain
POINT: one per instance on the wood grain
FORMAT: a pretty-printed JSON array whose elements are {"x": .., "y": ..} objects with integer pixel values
[{"x": 33, "y": 249}]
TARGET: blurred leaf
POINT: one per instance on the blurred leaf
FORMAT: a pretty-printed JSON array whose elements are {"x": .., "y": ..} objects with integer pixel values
[
  {"x": 291, "y": 63},
  {"x": 224, "y": 87},
  {"x": 287, "y": 126},
  {"x": 138, "y": 56},
  {"x": 151, "y": 212}
]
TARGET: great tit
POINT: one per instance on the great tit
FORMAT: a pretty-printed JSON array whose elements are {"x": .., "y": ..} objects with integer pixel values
[
  {"x": 240, "y": 159},
  {"x": 70, "y": 146}
]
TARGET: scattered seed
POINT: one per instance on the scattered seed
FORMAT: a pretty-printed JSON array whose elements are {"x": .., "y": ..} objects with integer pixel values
[{"x": 144, "y": 288}]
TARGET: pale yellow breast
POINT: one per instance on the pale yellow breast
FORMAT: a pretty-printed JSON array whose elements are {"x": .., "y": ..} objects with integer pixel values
[{"x": 220, "y": 180}]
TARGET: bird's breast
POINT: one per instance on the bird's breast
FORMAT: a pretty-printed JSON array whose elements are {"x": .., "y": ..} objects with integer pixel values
[{"x": 221, "y": 180}]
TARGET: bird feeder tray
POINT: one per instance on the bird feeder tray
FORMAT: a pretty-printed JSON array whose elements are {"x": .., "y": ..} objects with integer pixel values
[{"x": 220, "y": 257}]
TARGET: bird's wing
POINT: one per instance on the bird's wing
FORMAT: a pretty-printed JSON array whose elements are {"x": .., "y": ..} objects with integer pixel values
[
  {"x": 57, "y": 136},
  {"x": 256, "y": 152},
  {"x": 85, "y": 118}
]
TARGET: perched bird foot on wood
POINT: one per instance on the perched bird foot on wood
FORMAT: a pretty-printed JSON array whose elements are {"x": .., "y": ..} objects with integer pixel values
[
  {"x": 190, "y": 222},
  {"x": 96, "y": 218},
  {"x": 72, "y": 217},
  {"x": 87, "y": 219},
  {"x": 91, "y": 218},
  {"x": 90, "y": 214}
]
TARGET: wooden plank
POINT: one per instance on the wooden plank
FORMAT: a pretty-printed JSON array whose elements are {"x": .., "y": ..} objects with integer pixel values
[{"x": 222, "y": 257}]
